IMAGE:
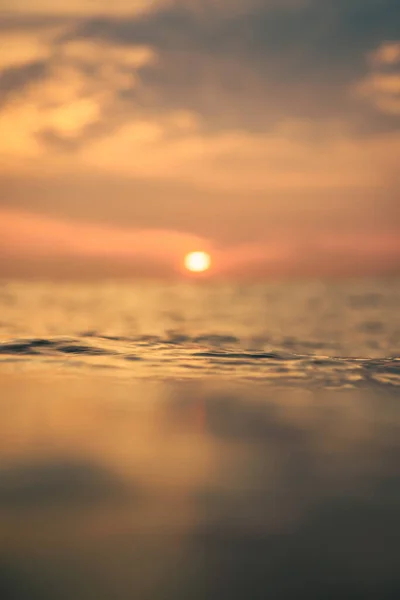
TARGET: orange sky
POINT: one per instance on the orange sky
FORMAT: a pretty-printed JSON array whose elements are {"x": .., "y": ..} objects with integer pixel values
[{"x": 266, "y": 133}]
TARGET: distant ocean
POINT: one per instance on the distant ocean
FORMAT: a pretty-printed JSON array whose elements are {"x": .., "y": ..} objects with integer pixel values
[
  {"x": 333, "y": 334},
  {"x": 200, "y": 442}
]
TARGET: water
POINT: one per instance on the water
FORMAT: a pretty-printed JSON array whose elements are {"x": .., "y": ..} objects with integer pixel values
[
  {"x": 196, "y": 442},
  {"x": 330, "y": 334}
]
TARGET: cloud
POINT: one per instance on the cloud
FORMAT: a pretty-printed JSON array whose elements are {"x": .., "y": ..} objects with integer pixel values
[
  {"x": 70, "y": 248},
  {"x": 229, "y": 121},
  {"x": 69, "y": 97},
  {"x": 237, "y": 64},
  {"x": 252, "y": 68},
  {"x": 82, "y": 8},
  {"x": 382, "y": 86},
  {"x": 387, "y": 54},
  {"x": 21, "y": 232},
  {"x": 229, "y": 188},
  {"x": 21, "y": 48},
  {"x": 61, "y": 248},
  {"x": 231, "y": 66},
  {"x": 287, "y": 158}
]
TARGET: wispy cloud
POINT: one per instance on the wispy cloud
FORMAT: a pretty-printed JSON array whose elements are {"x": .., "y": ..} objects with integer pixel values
[{"x": 381, "y": 86}]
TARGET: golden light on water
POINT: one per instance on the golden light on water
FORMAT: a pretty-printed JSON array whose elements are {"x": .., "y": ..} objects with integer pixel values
[{"x": 197, "y": 262}]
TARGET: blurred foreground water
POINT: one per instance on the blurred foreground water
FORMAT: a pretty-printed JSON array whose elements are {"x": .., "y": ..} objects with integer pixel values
[{"x": 190, "y": 442}]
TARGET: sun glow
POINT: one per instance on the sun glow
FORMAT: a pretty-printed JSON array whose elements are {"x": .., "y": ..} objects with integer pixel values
[{"x": 197, "y": 262}]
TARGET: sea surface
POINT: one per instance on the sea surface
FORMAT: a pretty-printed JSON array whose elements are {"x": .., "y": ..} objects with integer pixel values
[
  {"x": 327, "y": 334},
  {"x": 198, "y": 441}
]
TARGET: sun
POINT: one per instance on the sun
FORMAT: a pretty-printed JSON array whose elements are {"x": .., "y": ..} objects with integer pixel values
[{"x": 197, "y": 262}]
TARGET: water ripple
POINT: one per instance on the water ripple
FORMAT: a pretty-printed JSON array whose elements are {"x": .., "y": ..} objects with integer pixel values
[{"x": 186, "y": 357}]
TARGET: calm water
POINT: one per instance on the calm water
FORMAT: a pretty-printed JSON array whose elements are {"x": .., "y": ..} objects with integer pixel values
[{"x": 197, "y": 442}]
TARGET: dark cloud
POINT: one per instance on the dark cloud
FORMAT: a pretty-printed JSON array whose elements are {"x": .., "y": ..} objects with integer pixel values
[
  {"x": 17, "y": 22},
  {"x": 14, "y": 79},
  {"x": 253, "y": 68}
]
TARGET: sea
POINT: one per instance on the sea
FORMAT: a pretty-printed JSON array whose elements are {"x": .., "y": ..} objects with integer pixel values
[{"x": 194, "y": 440}]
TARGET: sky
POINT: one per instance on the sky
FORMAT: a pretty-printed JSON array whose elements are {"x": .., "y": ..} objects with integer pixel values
[{"x": 265, "y": 132}]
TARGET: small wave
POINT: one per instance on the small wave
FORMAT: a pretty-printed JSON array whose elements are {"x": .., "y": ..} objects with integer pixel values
[
  {"x": 248, "y": 355},
  {"x": 40, "y": 346},
  {"x": 216, "y": 339},
  {"x": 25, "y": 346},
  {"x": 176, "y": 356}
]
